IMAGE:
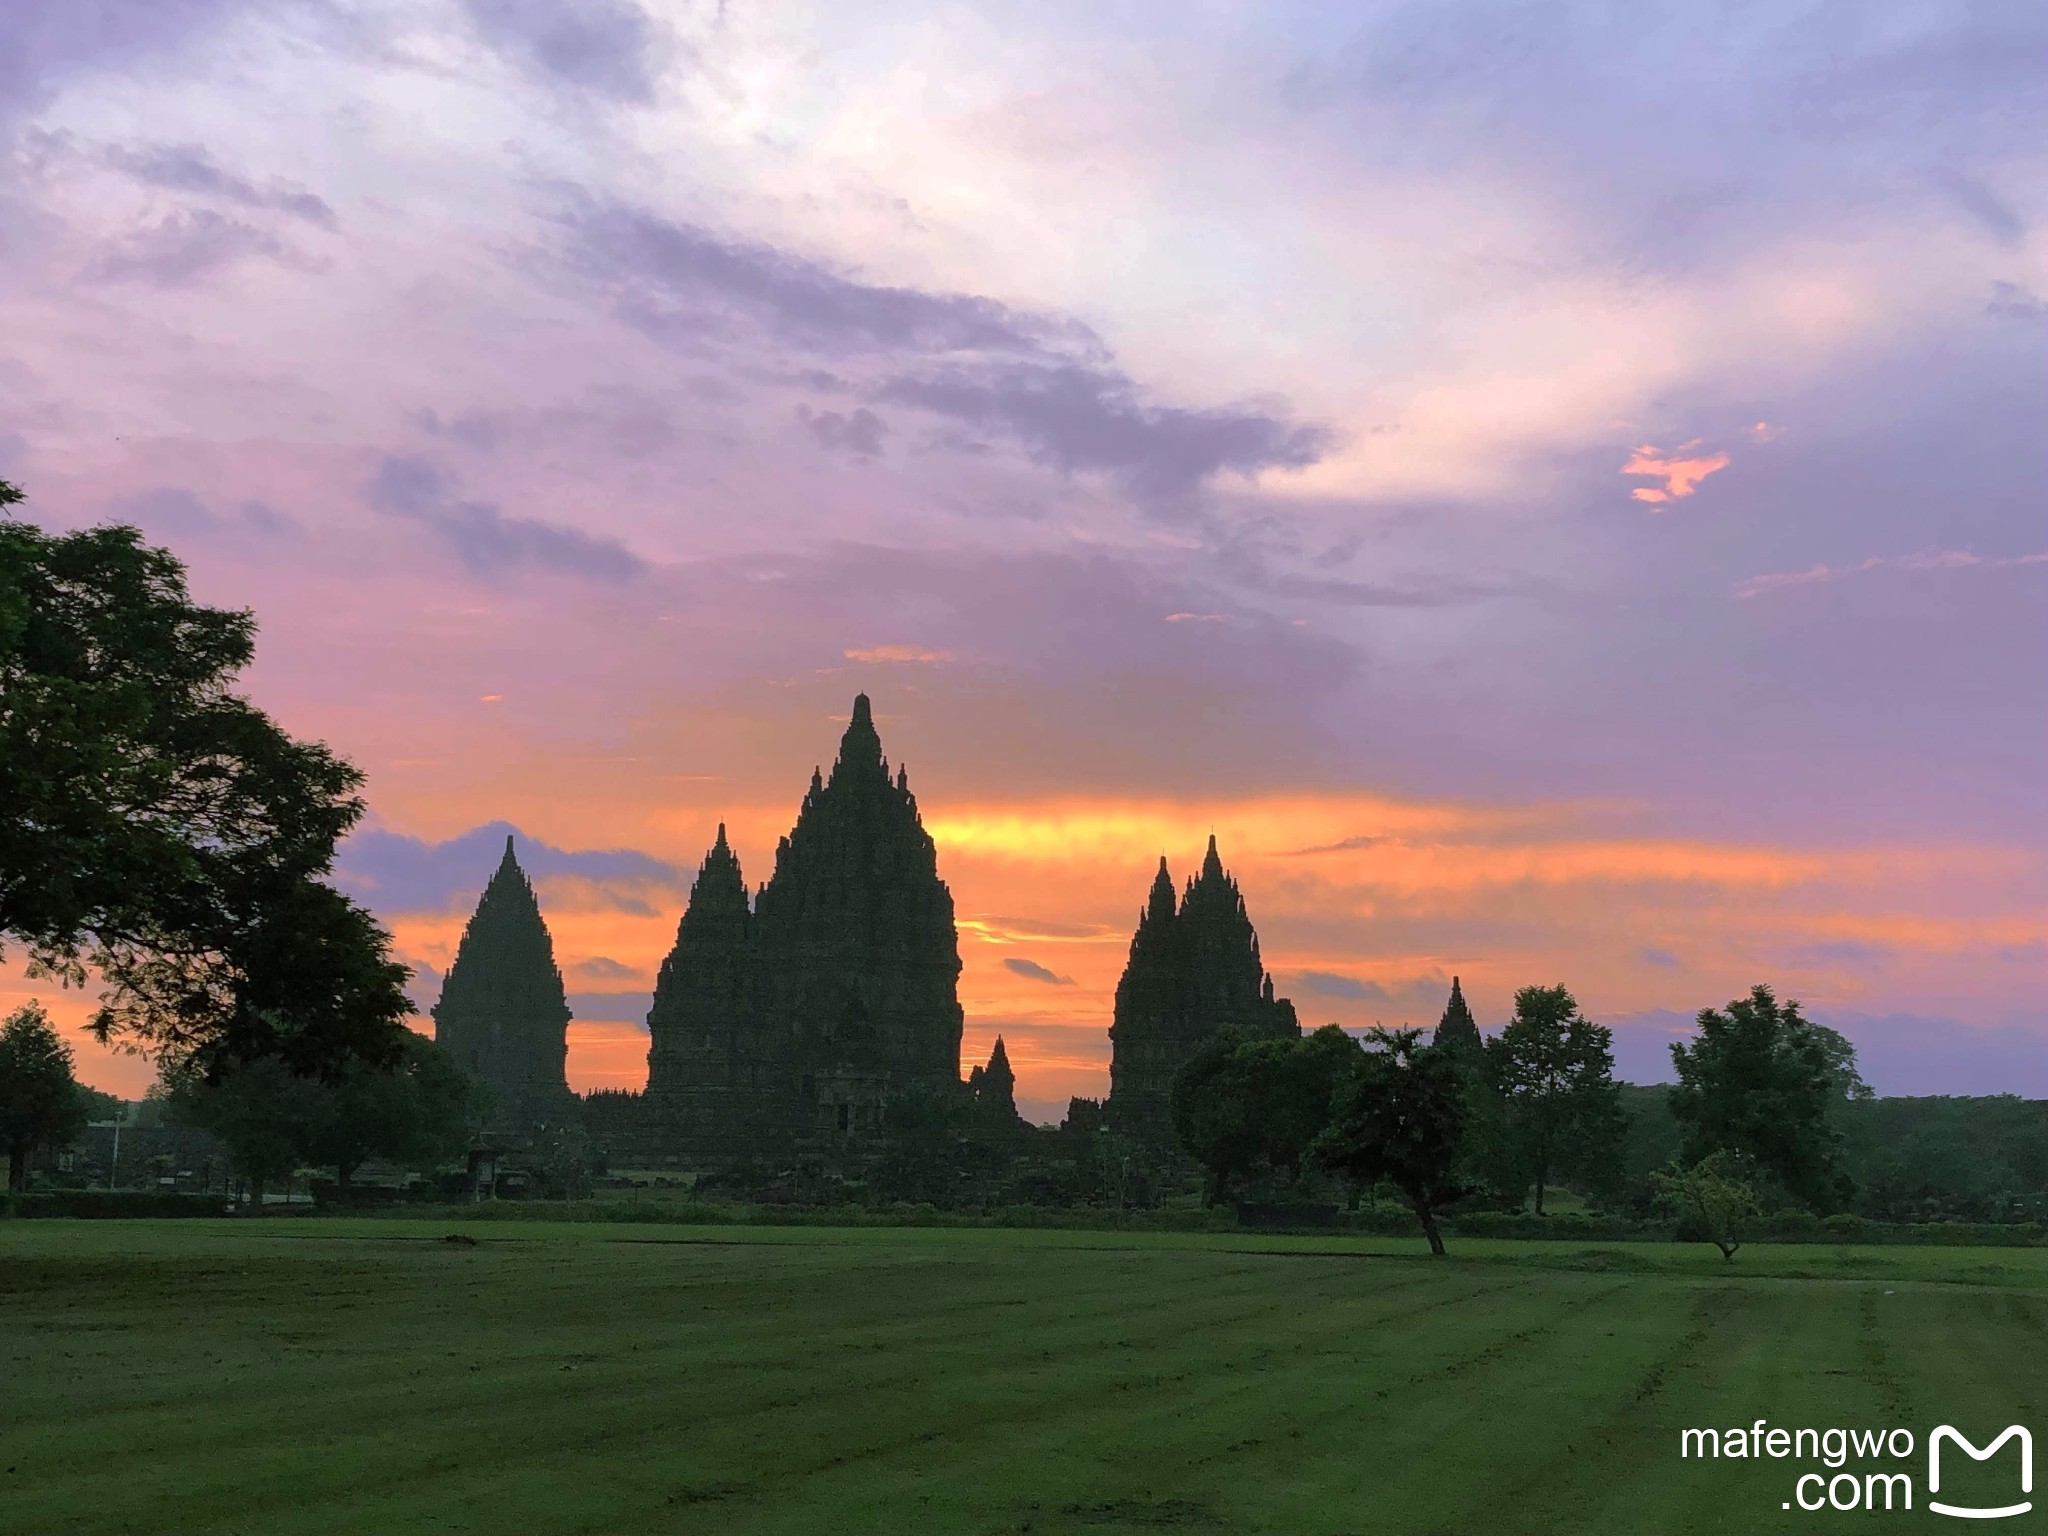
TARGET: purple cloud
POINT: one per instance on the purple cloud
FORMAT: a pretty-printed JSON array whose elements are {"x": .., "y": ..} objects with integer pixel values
[
  {"x": 1031, "y": 970},
  {"x": 183, "y": 249},
  {"x": 608, "y": 47},
  {"x": 484, "y": 538},
  {"x": 189, "y": 168}
]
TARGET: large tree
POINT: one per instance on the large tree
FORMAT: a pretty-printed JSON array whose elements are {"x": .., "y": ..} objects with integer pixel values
[
  {"x": 417, "y": 1112},
  {"x": 1220, "y": 1103},
  {"x": 1760, "y": 1081},
  {"x": 41, "y": 1104},
  {"x": 162, "y": 831},
  {"x": 1401, "y": 1118},
  {"x": 1553, "y": 1070}
]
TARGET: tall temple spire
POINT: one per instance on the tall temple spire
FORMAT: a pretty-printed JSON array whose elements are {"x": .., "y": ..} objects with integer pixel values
[
  {"x": 502, "y": 1012},
  {"x": 856, "y": 960}
]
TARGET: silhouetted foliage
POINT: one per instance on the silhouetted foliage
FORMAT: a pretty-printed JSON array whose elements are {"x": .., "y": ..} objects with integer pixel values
[
  {"x": 1761, "y": 1082},
  {"x": 1401, "y": 1119},
  {"x": 417, "y": 1113},
  {"x": 1553, "y": 1070},
  {"x": 420, "y": 1112},
  {"x": 1714, "y": 1200},
  {"x": 160, "y": 831},
  {"x": 41, "y": 1103}
]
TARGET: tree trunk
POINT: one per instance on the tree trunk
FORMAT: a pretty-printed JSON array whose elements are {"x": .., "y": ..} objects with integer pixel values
[
  {"x": 1540, "y": 1171},
  {"x": 255, "y": 1194},
  {"x": 1219, "y": 1184},
  {"x": 1426, "y": 1214},
  {"x": 17, "y": 1169}
]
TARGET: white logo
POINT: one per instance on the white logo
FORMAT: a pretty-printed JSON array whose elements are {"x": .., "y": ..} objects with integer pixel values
[{"x": 1948, "y": 1432}]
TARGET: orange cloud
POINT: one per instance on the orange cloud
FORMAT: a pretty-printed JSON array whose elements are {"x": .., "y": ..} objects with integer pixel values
[
  {"x": 1394, "y": 894},
  {"x": 1681, "y": 475}
]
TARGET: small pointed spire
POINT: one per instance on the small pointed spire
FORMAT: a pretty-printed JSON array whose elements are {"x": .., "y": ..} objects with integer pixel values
[
  {"x": 1212, "y": 862},
  {"x": 903, "y": 778},
  {"x": 720, "y": 843},
  {"x": 508, "y": 849},
  {"x": 1160, "y": 904}
]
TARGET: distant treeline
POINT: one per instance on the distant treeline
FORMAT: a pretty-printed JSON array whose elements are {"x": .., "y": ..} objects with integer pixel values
[
  {"x": 1907, "y": 1159},
  {"x": 1769, "y": 1126}
]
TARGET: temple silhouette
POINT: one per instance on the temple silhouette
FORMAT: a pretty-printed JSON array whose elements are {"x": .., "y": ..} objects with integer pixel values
[
  {"x": 804, "y": 1017},
  {"x": 1194, "y": 970},
  {"x": 503, "y": 1014},
  {"x": 823, "y": 1014}
]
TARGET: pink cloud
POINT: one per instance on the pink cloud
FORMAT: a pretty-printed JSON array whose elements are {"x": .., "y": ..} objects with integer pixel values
[
  {"x": 1681, "y": 474},
  {"x": 1920, "y": 560},
  {"x": 903, "y": 653}
]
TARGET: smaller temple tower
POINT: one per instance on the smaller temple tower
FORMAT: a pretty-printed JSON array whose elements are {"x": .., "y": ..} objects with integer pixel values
[
  {"x": 503, "y": 1014},
  {"x": 701, "y": 1057},
  {"x": 1457, "y": 1029},
  {"x": 1194, "y": 970}
]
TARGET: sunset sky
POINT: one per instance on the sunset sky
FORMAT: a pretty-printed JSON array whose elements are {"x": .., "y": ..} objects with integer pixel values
[{"x": 1558, "y": 489}]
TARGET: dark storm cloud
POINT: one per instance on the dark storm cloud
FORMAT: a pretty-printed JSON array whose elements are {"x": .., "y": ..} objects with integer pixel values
[
  {"x": 189, "y": 168},
  {"x": 608, "y": 47},
  {"x": 394, "y": 873},
  {"x": 484, "y": 538},
  {"x": 1031, "y": 970},
  {"x": 186, "y": 248}
]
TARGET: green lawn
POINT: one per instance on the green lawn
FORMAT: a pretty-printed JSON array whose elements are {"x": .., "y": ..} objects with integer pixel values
[{"x": 364, "y": 1376}]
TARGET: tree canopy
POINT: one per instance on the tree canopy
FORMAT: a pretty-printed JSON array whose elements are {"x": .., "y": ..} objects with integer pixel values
[
  {"x": 1401, "y": 1118},
  {"x": 162, "y": 831},
  {"x": 41, "y": 1103},
  {"x": 1759, "y": 1081},
  {"x": 1553, "y": 1069},
  {"x": 417, "y": 1112}
]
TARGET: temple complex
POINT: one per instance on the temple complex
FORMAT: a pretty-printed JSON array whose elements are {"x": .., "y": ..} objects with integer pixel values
[
  {"x": 503, "y": 1014},
  {"x": 799, "y": 1021},
  {"x": 1194, "y": 969}
]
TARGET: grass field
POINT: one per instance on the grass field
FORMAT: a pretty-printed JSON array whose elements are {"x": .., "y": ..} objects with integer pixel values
[{"x": 365, "y": 1376}]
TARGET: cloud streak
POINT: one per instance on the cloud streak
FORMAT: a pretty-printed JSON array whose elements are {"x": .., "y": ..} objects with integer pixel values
[{"x": 1920, "y": 560}]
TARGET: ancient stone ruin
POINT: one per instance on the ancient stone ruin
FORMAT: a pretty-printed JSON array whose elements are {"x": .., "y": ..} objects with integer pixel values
[
  {"x": 1194, "y": 969},
  {"x": 502, "y": 1013},
  {"x": 801, "y": 1021}
]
